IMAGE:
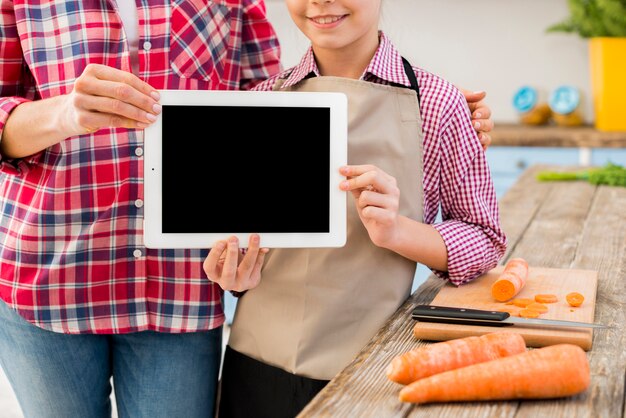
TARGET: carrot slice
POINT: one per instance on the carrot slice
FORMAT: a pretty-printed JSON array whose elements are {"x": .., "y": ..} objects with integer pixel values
[
  {"x": 439, "y": 357},
  {"x": 511, "y": 281},
  {"x": 550, "y": 372},
  {"x": 574, "y": 299},
  {"x": 537, "y": 307},
  {"x": 546, "y": 298},
  {"x": 529, "y": 313},
  {"x": 522, "y": 302}
]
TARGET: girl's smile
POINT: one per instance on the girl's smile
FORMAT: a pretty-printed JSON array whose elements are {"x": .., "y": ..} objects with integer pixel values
[{"x": 327, "y": 21}]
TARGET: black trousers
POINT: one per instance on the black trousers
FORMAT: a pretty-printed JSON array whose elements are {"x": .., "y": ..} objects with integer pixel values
[{"x": 252, "y": 389}]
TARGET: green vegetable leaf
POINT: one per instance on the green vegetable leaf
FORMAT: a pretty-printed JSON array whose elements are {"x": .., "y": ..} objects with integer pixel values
[{"x": 611, "y": 174}]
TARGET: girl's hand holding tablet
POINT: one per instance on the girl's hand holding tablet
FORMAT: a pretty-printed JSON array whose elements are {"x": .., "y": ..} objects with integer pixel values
[
  {"x": 227, "y": 266},
  {"x": 377, "y": 200}
]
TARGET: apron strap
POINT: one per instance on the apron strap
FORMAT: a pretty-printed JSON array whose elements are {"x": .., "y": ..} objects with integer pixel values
[{"x": 408, "y": 69}]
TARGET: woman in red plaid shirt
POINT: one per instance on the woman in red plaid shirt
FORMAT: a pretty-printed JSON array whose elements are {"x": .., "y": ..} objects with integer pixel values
[{"x": 83, "y": 299}]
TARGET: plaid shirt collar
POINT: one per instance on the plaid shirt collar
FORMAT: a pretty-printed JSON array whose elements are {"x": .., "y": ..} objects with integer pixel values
[{"x": 386, "y": 64}]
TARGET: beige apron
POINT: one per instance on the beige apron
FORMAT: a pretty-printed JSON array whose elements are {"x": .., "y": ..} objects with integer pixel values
[{"x": 316, "y": 308}]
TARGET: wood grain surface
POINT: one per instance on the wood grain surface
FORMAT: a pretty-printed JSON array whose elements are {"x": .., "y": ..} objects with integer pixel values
[
  {"x": 516, "y": 135},
  {"x": 553, "y": 225}
]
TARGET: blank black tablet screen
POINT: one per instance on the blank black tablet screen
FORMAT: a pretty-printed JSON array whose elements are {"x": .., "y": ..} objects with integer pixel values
[{"x": 246, "y": 169}]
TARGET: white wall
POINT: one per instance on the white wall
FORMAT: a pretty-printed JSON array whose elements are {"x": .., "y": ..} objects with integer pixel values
[{"x": 492, "y": 45}]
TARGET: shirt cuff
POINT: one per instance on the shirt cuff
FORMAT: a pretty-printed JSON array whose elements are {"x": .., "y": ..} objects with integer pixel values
[
  {"x": 468, "y": 257},
  {"x": 7, "y": 105}
]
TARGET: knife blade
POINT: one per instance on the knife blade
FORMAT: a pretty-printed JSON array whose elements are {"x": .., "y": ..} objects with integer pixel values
[{"x": 465, "y": 316}]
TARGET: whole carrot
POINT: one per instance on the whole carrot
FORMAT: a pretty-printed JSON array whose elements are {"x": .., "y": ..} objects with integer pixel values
[
  {"x": 549, "y": 372},
  {"x": 511, "y": 281},
  {"x": 448, "y": 355}
]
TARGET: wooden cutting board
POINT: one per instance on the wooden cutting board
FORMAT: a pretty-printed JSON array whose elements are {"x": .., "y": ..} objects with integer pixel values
[{"x": 477, "y": 294}]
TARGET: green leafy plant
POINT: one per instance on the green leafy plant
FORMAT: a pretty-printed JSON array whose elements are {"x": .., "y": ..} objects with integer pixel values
[
  {"x": 594, "y": 18},
  {"x": 611, "y": 174}
]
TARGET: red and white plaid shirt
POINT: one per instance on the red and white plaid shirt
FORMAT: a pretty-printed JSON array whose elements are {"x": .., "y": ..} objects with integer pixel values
[
  {"x": 456, "y": 174},
  {"x": 72, "y": 258}
]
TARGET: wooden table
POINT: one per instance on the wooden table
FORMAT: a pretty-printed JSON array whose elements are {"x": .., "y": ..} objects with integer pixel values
[{"x": 557, "y": 224}]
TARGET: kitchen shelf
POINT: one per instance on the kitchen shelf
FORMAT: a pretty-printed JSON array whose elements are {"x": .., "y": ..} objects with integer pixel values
[{"x": 513, "y": 135}]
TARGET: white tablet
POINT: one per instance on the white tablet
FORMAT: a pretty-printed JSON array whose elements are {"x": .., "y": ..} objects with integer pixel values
[{"x": 223, "y": 163}]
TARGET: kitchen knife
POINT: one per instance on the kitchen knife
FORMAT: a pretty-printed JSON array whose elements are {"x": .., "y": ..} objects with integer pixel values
[{"x": 446, "y": 314}]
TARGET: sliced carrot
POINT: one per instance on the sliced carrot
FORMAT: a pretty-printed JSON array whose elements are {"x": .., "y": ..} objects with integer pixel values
[
  {"x": 511, "y": 281},
  {"x": 537, "y": 307},
  {"x": 529, "y": 313},
  {"x": 574, "y": 299},
  {"x": 549, "y": 372},
  {"x": 439, "y": 357},
  {"x": 522, "y": 302},
  {"x": 546, "y": 298}
]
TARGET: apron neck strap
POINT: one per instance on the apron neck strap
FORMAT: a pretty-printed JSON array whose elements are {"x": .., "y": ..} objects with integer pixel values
[{"x": 408, "y": 69}]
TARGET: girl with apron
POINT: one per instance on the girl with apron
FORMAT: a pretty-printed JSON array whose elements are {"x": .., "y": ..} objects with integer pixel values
[{"x": 315, "y": 309}]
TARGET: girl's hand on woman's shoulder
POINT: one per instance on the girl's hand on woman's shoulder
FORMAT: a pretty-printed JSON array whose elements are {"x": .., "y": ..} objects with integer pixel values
[
  {"x": 377, "y": 200},
  {"x": 481, "y": 115},
  {"x": 232, "y": 270}
]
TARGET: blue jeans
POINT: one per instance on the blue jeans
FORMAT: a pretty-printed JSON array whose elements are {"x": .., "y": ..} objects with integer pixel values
[{"x": 154, "y": 374}]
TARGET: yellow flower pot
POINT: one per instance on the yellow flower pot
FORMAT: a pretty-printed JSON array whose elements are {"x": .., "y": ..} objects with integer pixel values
[{"x": 607, "y": 57}]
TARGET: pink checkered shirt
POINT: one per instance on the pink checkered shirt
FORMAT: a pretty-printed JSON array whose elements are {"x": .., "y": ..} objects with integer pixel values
[
  {"x": 72, "y": 258},
  {"x": 456, "y": 174}
]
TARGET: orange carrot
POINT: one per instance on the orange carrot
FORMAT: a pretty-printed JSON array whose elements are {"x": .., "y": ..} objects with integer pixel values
[
  {"x": 511, "y": 281},
  {"x": 549, "y": 372},
  {"x": 574, "y": 299},
  {"x": 537, "y": 307},
  {"x": 529, "y": 313},
  {"x": 546, "y": 298},
  {"x": 452, "y": 354}
]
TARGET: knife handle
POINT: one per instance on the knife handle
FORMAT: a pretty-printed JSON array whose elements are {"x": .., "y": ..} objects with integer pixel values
[{"x": 445, "y": 314}]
